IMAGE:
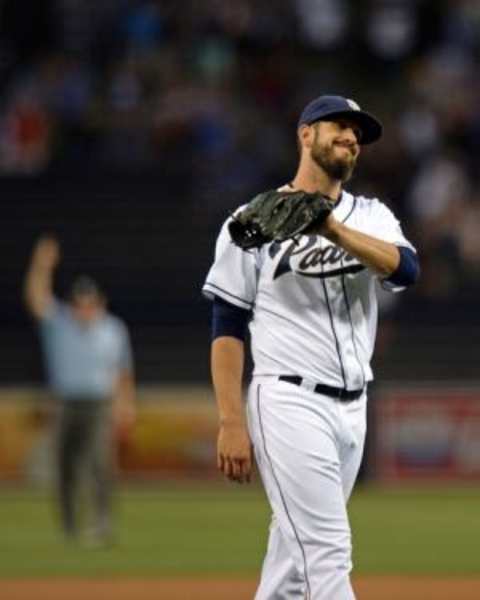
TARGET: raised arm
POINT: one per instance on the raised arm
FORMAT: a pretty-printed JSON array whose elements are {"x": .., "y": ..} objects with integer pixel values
[
  {"x": 381, "y": 257},
  {"x": 38, "y": 286},
  {"x": 397, "y": 264}
]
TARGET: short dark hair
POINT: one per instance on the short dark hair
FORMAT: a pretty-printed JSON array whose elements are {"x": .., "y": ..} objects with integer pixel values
[{"x": 86, "y": 286}]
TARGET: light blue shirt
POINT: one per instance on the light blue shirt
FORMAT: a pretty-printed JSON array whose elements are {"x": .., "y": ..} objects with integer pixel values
[{"x": 83, "y": 361}]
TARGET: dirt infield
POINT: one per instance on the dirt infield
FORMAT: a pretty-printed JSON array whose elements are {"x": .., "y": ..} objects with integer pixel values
[{"x": 367, "y": 588}]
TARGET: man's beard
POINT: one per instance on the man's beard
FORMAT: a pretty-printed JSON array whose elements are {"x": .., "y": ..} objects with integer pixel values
[{"x": 337, "y": 168}]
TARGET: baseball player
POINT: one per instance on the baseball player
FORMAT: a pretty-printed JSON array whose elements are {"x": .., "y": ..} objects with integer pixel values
[
  {"x": 311, "y": 309},
  {"x": 90, "y": 367}
]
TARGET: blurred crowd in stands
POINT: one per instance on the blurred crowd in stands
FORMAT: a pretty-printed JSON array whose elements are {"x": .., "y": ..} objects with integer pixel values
[{"x": 206, "y": 93}]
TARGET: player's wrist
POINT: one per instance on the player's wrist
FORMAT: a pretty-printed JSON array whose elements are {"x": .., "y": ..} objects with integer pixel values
[
  {"x": 232, "y": 420},
  {"x": 332, "y": 229}
]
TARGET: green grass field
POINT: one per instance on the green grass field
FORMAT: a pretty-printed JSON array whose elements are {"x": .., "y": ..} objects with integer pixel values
[{"x": 221, "y": 529}]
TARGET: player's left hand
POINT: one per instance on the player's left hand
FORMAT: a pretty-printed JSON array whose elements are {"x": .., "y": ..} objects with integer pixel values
[
  {"x": 234, "y": 451},
  {"x": 278, "y": 215}
]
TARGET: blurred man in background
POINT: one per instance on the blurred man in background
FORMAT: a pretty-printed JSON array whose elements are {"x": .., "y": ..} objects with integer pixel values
[{"x": 89, "y": 362}]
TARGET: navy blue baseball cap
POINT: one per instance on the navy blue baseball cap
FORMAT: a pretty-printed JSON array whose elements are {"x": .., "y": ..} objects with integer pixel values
[{"x": 327, "y": 108}]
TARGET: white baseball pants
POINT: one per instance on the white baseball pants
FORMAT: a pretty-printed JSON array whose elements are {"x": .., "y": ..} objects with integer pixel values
[{"x": 308, "y": 449}]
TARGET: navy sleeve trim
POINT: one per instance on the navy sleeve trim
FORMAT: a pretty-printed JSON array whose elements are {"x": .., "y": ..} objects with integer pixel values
[
  {"x": 229, "y": 320},
  {"x": 408, "y": 270},
  {"x": 213, "y": 291}
]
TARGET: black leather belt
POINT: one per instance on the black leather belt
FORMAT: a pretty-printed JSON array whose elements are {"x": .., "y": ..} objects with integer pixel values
[{"x": 340, "y": 394}]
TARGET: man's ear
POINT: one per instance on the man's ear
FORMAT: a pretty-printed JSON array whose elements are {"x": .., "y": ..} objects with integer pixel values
[{"x": 306, "y": 135}]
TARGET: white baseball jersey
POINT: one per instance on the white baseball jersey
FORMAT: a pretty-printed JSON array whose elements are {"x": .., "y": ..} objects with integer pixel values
[{"x": 314, "y": 307}]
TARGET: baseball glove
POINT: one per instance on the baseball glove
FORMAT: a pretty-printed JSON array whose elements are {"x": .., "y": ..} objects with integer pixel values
[{"x": 278, "y": 216}]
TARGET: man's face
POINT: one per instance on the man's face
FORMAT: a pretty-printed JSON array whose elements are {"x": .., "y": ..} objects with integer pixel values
[
  {"x": 335, "y": 147},
  {"x": 87, "y": 308}
]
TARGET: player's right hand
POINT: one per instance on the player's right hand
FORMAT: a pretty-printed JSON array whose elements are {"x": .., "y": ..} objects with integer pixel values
[
  {"x": 46, "y": 253},
  {"x": 234, "y": 451}
]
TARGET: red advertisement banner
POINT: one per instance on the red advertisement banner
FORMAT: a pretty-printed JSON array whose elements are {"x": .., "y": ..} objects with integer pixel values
[{"x": 428, "y": 433}]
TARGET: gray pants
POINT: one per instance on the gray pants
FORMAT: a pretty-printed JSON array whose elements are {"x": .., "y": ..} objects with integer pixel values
[{"x": 84, "y": 448}]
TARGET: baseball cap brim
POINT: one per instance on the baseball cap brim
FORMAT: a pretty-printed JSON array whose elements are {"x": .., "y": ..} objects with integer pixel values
[{"x": 371, "y": 128}]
